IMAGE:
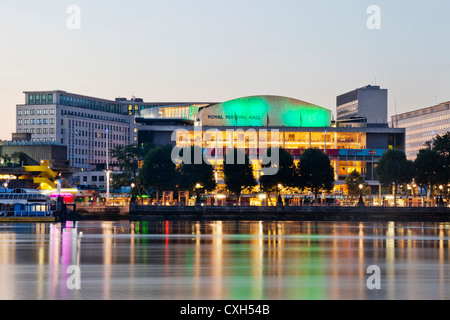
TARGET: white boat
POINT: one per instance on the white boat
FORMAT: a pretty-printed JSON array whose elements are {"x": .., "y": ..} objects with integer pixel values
[{"x": 25, "y": 203}]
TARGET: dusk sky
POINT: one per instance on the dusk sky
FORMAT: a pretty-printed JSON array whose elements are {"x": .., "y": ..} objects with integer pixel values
[{"x": 208, "y": 50}]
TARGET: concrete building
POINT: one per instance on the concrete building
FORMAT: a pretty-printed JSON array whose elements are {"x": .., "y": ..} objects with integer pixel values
[
  {"x": 421, "y": 125},
  {"x": 87, "y": 126},
  {"x": 292, "y": 124},
  {"x": 369, "y": 103}
]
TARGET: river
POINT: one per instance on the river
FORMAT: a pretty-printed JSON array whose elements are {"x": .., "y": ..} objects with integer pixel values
[{"x": 105, "y": 260}]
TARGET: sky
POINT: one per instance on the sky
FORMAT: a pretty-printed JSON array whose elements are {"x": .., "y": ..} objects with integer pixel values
[{"x": 214, "y": 51}]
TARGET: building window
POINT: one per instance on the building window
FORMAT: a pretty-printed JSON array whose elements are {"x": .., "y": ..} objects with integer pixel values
[
  {"x": 38, "y": 99},
  {"x": 50, "y": 98},
  {"x": 52, "y": 120},
  {"x": 51, "y": 111},
  {"x": 32, "y": 112},
  {"x": 19, "y": 112},
  {"x": 45, "y": 121},
  {"x": 32, "y": 121},
  {"x": 94, "y": 178},
  {"x": 30, "y": 99},
  {"x": 39, "y": 111},
  {"x": 19, "y": 121},
  {"x": 44, "y": 98},
  {"x": 45, "y": 111}
]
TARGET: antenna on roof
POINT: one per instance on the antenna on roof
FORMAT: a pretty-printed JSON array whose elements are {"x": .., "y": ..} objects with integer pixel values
[{"x": 395, "y": 111}]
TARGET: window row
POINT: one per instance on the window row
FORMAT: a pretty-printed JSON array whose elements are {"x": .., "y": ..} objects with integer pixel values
[
  {"x": 91, "y": 116},
  {"x": 31, "y": 112},
  {"x": 90, "y": 104},
  {"x": 35, "y": 121},
  {"x": 37, "y": 131},
  {"x": 95, "y": 125},
  {"x": 40, "y": 98}
]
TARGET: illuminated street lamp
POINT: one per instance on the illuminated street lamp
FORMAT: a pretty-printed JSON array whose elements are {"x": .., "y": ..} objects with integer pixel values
[
  {"x": 441, "y": 201},
  {"x": 361, "y": 201},
  {"x": 279, "y": 201},
  {"x": 197, "y": 188}
]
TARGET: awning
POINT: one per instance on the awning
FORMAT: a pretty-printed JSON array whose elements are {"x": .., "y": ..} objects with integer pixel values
[{"x": 11, "y": 201}]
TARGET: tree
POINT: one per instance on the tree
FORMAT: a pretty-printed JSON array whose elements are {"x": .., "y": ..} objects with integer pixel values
[
  {"x": 19, "y": 157},
  {"x": 394, "y": 168},
  {"x": 430, "y": 169},
  {"x": 315, "y": 172},
  {"x": 129, "y": 158},
  {"x": 441, "y": 144},
  {"x": 286, "y": 171},
  {"x": 238, "y": 172},
  {"x": 6, "y": 159},
  {"x": 352, "y": 182},
  {"x": 189, "y": 174},
  {"x": 158, "y": 170}
]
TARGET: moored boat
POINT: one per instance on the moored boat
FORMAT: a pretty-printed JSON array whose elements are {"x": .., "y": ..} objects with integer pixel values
[{"x": 25, "y": 203}]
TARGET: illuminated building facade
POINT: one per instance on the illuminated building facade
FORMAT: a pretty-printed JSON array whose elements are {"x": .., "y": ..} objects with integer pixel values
[
  {"x": 260, "y": 122},
  {"x": 421, "y": 125}
]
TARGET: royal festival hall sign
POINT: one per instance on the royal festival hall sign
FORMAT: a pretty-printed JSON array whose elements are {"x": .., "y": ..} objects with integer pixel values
[{"x": 265, "y": 111}]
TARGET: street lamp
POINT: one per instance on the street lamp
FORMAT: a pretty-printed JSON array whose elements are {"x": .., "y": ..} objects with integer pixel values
[
  {"x": 361, "y": 201},
  {"x": 197, "y": 200},
  {"x": 441, "y": 201},
  {"x": 279, "y": 201}
]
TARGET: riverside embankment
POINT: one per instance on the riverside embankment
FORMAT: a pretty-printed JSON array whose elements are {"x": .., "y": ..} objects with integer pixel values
[{"x": 290, "y": 213}]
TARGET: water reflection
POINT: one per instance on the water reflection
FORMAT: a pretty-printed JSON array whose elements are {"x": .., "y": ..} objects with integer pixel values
[{"x": 224, "y": 260}]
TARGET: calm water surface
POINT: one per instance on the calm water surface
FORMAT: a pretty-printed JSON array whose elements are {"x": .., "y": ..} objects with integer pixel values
[{"x": 224, "y": 260}]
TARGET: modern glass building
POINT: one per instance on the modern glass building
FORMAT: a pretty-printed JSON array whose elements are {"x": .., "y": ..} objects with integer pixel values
[
  {"x": 259, "y": 122},
  {"x": 421, "y": 125}
]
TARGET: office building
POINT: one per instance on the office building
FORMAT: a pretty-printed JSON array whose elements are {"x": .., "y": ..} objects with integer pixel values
[
  {"x": 88, "y": 126},
  {"x": 421, "y": 125},
  {"x": 369, "y": 103}
]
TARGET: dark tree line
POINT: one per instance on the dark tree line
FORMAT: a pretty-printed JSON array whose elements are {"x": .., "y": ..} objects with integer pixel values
[
  {"x": 152, "y": 170},
  {"x": 430, "y": 169}
]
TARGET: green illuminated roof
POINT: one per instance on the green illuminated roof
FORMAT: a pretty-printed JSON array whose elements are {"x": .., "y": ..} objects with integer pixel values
[{"x": 262, "y": 111}]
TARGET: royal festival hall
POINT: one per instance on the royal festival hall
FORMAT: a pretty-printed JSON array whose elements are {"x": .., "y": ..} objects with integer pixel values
[{"x": 256, "y": 123}]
